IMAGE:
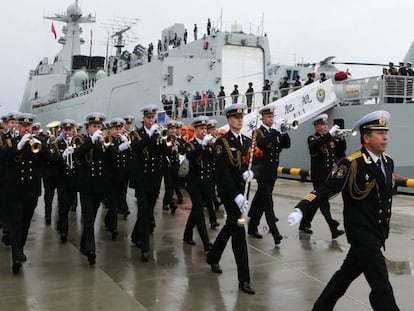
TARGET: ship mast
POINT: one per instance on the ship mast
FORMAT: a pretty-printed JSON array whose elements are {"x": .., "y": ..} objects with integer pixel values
[{"x": 71, "y": 41}]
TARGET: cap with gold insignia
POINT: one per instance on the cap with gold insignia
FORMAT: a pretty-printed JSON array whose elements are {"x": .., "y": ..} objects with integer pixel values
[
  {"x": 200, "y": 121},
  {"x": 4, "y": 118},
  {"x": 321, "y": 119},
  {"x": 79, "y": 126},
  {"x": 179, "y": 124},
  {"x": 376, "y": 120},
  {"x": 268, "y": 109},
  {"x": 67, "y": 123},
  {"x": 235, "y": 109},
  {"x": 171, "y": 123},
  {"x": 117, "y": 122},
  {"x": 36, "y": 126},
  {"x": 12, "y": 116},
  {"x": 211, "y": 123},
  {"x": 95, "y": 117},
  {"x": 150, "y": 110},
  {"x": 129, "y": 119},
  {"x": 25, "y": 118}
]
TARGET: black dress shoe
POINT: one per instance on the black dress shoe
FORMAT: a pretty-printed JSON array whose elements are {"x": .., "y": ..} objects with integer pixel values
[
  {"x": 255, "y": 235},
  {"x": 23, "y": 258},
  {"x": 125, "y": 214},
  {"x": 214, "y": 225},
  {"x": 16, "y": 267},
  {"x": 6, "y": 239},
  {"x": 173, "y": 208},
  {"x": 278, "y": 238},
  {"x": 306, "y": 230},
  {"x": 145, "y": 257},
  {"x": 189, "y": 242},
  {"x": 165, "y": 207},
  {"x": 114, "y": 235},
  {"x": 48, "y": 221},
  {"x": 247, "y": 287},
  {"x": 73, "y": 208},
  {"x": 215, "y": 268},
  {"x": 208, "y": 247},
  {"x": 63, "y": 238},
  {"x": 91, "y": 258},
  {"x": 136, "y": 243},
  {"x": 337, "y": 233}
]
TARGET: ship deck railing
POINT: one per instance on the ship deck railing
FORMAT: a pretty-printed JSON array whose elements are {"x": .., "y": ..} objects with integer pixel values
[{"x": 375, "y": 90}]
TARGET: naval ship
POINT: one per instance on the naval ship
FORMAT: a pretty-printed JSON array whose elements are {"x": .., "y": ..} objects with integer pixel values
[{"x": 174, "y": 72}]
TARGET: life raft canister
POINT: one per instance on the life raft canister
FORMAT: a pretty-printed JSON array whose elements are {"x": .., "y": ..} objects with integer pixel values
[{"x": 205, "y": 45}]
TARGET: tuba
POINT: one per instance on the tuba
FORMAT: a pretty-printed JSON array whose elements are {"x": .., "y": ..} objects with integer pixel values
[{"x": 53, "y": 131}]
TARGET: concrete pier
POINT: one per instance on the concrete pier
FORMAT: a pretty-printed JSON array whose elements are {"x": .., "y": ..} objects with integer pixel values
[{"x": 287, "y": 277}]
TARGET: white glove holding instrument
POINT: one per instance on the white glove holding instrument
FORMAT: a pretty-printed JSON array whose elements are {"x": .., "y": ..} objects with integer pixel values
[
  {"x": 295, "y": 217},
  {"x": 96, "y": 136},
  {"x": 334, "y": 131},
  {"x": 241, "y": 202},
  {"x": 278, "y": 125},
  {"x": 69, "y": 150},
  {"x": 154, "y": 128},
  {"x": 23, "y": 141},
  {"x": 124, "y": 138},
  {"x": 123, "y": 146},
  {"x": 206, "y": 139},
  {"x": 248, "y": 175}
]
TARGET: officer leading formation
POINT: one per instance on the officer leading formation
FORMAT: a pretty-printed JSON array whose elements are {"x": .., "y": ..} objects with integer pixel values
[{"x": 112, "y": 156}]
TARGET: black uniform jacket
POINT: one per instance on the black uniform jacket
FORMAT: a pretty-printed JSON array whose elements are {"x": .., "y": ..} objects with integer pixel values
[
  {"x": 271, "y": 143},
  {"x": 200, "y": 159},
  {"x": 367, "y": 196},
  {"x": 23, "y": 168},
  {"x": 65, "y": 173},
  {"x": 231, "y": 162},
  {"x": 93, "y": 167},
  {"x": 148, "y": 152},
  {"x": 325, "y": 151}
]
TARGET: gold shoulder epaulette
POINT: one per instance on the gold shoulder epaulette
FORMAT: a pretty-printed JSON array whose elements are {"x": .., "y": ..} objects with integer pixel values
[
  {"x": 259, "y": 132},
  {"x": 354, "y": 156},
  {"x": 387, "y": 155}
]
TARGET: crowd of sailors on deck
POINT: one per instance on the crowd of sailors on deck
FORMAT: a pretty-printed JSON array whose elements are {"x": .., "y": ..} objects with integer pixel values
[{"x": 398, "y": 84}]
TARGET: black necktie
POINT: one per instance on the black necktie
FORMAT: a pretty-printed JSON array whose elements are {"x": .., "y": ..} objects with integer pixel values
[
  {"x": 380, "y": 167},
  {"x": 240, "y": 140}
]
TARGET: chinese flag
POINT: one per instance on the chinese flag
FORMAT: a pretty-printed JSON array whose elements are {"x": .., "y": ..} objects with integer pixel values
[{"x": 53, "y": 30}]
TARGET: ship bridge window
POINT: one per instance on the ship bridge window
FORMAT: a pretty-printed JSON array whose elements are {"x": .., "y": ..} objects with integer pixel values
[
  {"x": 170, "y": 70},
  {"x": 289, "y": 74},
  {"x": 295, "y": 73}
]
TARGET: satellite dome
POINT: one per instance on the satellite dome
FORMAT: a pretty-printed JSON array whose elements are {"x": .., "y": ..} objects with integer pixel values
[
  {"x": 100, "y": 74},
  {"x": 79, "y": 77},
  {"x": 73, "y": 9}
]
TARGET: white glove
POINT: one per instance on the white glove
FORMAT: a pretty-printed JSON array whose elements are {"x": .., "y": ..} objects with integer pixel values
[
  {"x": 124, "y": 138},
  {"x": 295, "y": 217},
  {"x": 206, "y": 139},
  {"x": 334, "y": 130},
  {"x": 241, "y": 202},
  {"x": 248, "y": 175},
  {"x": 23, "y": 141},
  {"x": 69, "y": 150},
  {"x": 96, "y": 136},
  {"x": 155, "y": 127},
  {"x": 278, "y": 125},
  {"x": 123, "y": 146}
]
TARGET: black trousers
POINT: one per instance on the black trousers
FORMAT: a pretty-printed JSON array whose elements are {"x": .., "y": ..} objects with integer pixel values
[
  {"x": 366, "y": 259},
  {"x": 50, "y": 184},
  {"x": 262, "y": 203},
  {"x": 65, "y": 192},
  {"x": 20, "y": 213},
  {"x": 114, "y": 204},
  {"x": 196, "y": 217},
  {"x": 325, "y": 208},
  {"x": 168, "y": 186},
  {"x": 89, "y": 203},
  {"x": 145, "y": 218},
  {"x": 238, "y": 242}
]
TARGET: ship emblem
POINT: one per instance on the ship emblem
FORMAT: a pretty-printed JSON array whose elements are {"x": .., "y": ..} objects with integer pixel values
[
  {"x": 218, "y": 150},
  {"x": 320, "y": 95},
  {"x": 341, "y": 172}
]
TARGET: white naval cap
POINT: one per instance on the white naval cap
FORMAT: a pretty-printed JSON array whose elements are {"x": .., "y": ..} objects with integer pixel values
[
  {"x": 67, "y": 123},
  {"x": 322, "y": 118},
  {"x": 235, "y": 109},
  {"x": 116, "y": 122},
  {"x": 150, "y": 110},
  {"x": 376, "y": 120},
  {"x": 211, "y": 123},
  {"x": 199, "y": 121},
  {"x": 95, "y": 117},
  {"x": 268, "y": 109}
]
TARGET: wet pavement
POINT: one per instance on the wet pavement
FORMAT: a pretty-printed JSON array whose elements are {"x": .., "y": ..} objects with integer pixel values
[{"x": 287, "y": 277}]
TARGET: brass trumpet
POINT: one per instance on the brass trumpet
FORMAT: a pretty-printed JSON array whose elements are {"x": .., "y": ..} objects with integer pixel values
[
  {"x": 289, "y": 126},
  {"x": 345, "y": 132},
  {"x": 34, "y": 145}
]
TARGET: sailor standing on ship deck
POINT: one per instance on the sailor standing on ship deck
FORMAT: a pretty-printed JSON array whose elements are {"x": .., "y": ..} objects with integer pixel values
[{"x": 365, "y": 179}]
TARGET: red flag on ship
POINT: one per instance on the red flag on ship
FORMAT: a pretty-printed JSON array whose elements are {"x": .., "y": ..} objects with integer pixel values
[{"x": 54, "y": 31}]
